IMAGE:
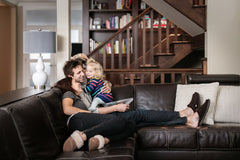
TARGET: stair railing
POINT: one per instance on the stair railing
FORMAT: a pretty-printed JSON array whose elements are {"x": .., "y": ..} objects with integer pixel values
[
  {"x": 199, "y": 3},
  {"x": 124, "y": 68},
  {"x": 140, "y": 76},
  {"x": 128, "y": 56}
]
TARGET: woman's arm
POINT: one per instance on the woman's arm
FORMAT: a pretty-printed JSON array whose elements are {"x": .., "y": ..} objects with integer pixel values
[
  {"x": 115, "y": 108},
  {"x": 68, "y": 107}
]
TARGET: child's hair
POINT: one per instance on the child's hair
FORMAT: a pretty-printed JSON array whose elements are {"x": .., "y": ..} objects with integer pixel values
[{"x": 96, "y": 66}]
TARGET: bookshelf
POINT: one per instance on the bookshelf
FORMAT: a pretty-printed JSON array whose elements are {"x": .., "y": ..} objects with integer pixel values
[{"x": 100, "y": 32}]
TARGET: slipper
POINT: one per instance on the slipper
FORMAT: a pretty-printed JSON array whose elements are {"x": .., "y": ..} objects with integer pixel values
[
  {"x": 96, "y": 142},
  {"x": 202, "y": 111},
  {"x": 195, "y": 101},
  {"x": 75, "y": 141}
]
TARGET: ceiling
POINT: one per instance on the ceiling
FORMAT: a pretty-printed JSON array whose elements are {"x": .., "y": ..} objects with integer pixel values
[{"x": 15, "y": 2}]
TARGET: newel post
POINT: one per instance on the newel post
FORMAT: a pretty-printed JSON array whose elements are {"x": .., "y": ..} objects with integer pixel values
[{"x": 204, "y": 65}]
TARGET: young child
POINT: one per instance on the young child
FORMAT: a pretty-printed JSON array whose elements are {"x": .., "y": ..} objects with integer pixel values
[{"x": 94, "y": 72}]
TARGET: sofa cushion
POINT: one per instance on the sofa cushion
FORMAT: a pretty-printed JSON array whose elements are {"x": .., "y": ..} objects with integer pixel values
[
  {"x": 122, "y": 92},
  {"x": 33, "y": 125},
  {"x": 206, "y": 91},
  {"x": 155, "y": 96},
  {"x": 221, "y": 136},
  {"x": 170, "y": 137},
  {"x": 228, "y": 104},
  {"x": 10, "y": 144},
  {"x": 52, "y": 102}
]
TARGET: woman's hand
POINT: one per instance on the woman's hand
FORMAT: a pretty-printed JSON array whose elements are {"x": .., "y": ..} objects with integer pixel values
[
  {"x": 115, "y": 108},
  {"x": 82, "y": 56},
  {"x": 122, "y": 107}
]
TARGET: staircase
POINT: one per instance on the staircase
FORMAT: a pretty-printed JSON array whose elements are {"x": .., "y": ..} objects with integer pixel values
[
  {"x": 195, "y": 10},
  {"x": 151, "y": 53}
]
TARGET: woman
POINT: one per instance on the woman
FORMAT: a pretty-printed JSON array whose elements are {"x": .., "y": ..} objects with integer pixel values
[{"x": 74, "y": 106}]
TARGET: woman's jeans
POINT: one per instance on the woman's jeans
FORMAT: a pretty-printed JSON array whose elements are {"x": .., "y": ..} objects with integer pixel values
[
  {"x": 110, "y": 126},
  {"x": 151, "y": 117}
]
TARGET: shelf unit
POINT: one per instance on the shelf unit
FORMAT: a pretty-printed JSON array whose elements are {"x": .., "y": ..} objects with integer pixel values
[{"x": 103, "y": 34}]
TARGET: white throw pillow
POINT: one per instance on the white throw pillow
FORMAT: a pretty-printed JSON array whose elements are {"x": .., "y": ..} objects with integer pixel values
[
  {"x": 228, "y": 104},
  {"x": 206, "y": 91}
]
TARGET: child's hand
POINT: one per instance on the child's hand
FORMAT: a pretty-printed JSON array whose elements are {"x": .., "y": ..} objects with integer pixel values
[
  {"x": 122, "y": 107},
  {"x": 106, "y": 87}
]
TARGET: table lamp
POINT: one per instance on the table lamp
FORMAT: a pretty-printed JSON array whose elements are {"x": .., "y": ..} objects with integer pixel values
[{"x": 39, "y": 42}]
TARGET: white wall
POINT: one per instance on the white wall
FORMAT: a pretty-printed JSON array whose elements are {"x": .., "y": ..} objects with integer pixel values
[{"x": 223, "y": 36}]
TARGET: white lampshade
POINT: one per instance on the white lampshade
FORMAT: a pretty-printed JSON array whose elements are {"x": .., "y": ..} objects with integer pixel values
[{"x": 39, "y": 42}]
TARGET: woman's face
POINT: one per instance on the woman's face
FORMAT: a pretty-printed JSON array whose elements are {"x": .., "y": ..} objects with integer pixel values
[
  {"x": 78, "y": 74},
  {"x": 90, "y": 72}
]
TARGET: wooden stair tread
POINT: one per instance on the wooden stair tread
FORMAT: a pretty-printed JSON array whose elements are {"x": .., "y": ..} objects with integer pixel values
[
  {"x": 199, "y": 6},
  {"x": 164, "y": 54},
  {"x": 181, "y": 42},
  {"x": 148, "y": 66}
]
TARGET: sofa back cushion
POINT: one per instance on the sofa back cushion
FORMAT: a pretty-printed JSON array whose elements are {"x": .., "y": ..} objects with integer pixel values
[
  {"x": 52, "y": 102},
  {"x": 228, "y": 104},
  {"x": 155, "y": 96},
  {"x": 122, "y": 92},
  {"x": 10, "y": 144},
  {"x": 206, "y": 91},
  {"x": 34, "y": 128}
]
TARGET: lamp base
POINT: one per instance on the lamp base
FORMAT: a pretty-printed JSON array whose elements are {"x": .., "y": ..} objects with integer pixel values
[
  {"x": 39, "y": 77},
  {"x": 39, "y": 86}
]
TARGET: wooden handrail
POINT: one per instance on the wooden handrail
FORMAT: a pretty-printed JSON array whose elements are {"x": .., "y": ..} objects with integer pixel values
[
  {"x": 178, "y": 70},
  {"x": 146, "y": 11}
]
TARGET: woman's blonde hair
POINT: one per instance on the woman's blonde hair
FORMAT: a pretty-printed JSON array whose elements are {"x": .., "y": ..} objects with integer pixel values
[{"x": 96, "y": 66}]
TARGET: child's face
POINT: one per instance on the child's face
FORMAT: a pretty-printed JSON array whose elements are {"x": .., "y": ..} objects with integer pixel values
[{"x": 90, "y": 72}]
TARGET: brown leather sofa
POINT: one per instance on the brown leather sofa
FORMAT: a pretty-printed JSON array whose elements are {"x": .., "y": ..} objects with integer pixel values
[{"x": 34, "y": 128}]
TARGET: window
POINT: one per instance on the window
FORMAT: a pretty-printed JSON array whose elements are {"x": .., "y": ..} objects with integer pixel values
[{"x": 44, "y": 17}]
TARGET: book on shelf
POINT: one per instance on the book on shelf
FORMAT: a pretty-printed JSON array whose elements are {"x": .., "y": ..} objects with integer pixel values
[
  {"x": 112, "y": 22},
  {"x": 126, "y": 5},
  {"x": 123, "y": 4},
  {"x": 143, "y": 5},
  {"x": 116, "y": 22},
  {"x": 107, "y": 24},
  {"x": 90, "y": 23},
  {"x": 125, "y": 43},
  {"x": 116, "y": 47},
  {"x": 130, "y": 4},
  {"x": 125, "y": 19},
  {"x": 108, "y": 48},
  {"x": 94, "y": 44},
  {"x": 156, "y": 23},
  {"x": 124, "y": 46}
]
